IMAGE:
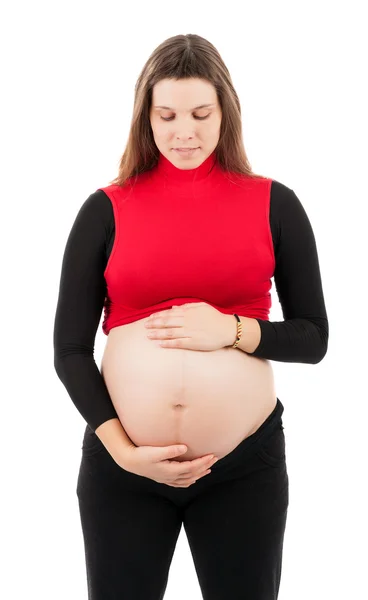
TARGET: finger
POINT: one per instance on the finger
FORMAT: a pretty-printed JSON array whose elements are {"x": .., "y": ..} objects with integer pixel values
[
  {"x": 196, "y": 466},
  {"x": 164, "y": 324},
  {"x": 182, "y": 485},
  {"x": 195, "y": 462},
  {"x": 207, "y": 459},
  {"x": 173, "y": 321},
  {"x": 190, "y": 480},
  {"x": 176, "y": 485},
  {"x": 200, "y": 473},
  {"x": 193, "y": 476},
  {"x": 167, "y": 333},
  {"x": 174, "y": 343}
]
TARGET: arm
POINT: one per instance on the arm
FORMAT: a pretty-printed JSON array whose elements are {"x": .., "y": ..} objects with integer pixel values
[
  {"x": 115, "y": 439},
  {"x": 303, "y": 335},
  {"x": 80, "y": 302}
]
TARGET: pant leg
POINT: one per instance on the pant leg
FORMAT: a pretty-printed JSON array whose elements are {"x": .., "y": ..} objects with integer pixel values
[
  {"x": 235, "y": 529},
  {"x": 129, "y": 533}
]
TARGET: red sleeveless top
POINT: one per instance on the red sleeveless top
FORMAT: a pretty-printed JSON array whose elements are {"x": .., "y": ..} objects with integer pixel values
[{"x": 195, "y": 235}]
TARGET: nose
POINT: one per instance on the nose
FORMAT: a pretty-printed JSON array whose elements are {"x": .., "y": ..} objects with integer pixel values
[
  {"x": 184, "y": 139},
  {"x": 185, "y": 132}
]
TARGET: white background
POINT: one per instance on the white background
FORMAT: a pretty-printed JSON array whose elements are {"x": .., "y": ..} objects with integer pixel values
[{"x": 69, "y": 71}]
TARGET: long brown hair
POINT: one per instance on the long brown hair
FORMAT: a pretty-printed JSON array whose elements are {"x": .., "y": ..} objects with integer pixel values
[{"x": 184, "y": 57}]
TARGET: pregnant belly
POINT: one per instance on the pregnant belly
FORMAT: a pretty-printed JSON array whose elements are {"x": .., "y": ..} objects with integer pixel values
[{"x": 209, "y": 401}]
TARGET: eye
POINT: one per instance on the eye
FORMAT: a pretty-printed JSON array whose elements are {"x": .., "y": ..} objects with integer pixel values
[{"x": 199, "y": 118}]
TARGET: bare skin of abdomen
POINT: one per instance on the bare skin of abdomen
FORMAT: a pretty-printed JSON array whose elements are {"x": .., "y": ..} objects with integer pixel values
[{"x": 210, "y": 401}]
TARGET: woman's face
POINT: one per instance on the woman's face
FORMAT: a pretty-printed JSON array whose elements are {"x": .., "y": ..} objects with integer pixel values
[{"x": 186, "y": 126}]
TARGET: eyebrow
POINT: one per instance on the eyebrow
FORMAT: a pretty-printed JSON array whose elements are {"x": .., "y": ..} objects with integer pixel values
[{"x": 195, "y": 108}]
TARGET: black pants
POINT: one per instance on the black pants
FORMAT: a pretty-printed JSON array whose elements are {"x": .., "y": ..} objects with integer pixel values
[{"x": 234, "y": 519}]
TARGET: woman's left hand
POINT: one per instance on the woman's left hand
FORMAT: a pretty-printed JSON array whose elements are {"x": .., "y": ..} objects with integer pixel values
[{"x": 193, "y": 326}]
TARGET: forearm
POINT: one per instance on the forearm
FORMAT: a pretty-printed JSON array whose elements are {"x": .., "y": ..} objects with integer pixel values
[
  {"x": 114, "y": 437},
  {"x": 78, "y": 371},
  {"x": 250, "y": 337},
  {"x": 297, "y": 340}
]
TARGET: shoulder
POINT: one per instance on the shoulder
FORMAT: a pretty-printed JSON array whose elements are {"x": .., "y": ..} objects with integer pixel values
[
  {"x": 98, "y": 200},
  {"x": 281, "y": 194},
  {"x": 95, "y": 217},
  {"x": 97, "y": 206},
  {"x": 285, "y": 204}
]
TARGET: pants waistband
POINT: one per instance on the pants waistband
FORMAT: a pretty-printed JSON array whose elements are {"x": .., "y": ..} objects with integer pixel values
[{"x": 252, "y": 443}]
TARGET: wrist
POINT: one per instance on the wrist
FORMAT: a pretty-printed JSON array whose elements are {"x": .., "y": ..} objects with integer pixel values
[
  {"x": 231, "y": 330},
  {"x": 115, "y": 439},
  {"x": 123, "y": 456}
]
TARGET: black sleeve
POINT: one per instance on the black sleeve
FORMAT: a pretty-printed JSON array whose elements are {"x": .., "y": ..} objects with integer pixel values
[
  {"x": 303, "y": 336},
  {"x": 80, "y": 302}
]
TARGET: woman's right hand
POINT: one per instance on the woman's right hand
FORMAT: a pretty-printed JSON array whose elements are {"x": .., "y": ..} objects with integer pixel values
[{"x": 155, "y": 463}]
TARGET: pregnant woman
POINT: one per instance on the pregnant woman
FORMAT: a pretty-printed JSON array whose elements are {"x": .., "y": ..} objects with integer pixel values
[{"x": 179, "y": 251}]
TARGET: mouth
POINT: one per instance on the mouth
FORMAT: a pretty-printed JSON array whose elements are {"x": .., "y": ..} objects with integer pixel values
[{"x": 185, "y": 150}]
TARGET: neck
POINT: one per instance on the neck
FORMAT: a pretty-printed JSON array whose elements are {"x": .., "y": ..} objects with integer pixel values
[{"x": 177, "y": 176}]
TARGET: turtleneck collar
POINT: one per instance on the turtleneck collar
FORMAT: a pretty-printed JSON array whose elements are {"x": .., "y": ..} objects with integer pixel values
[{"x": 176, "y": 176}]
